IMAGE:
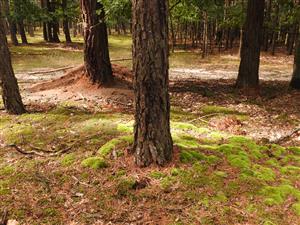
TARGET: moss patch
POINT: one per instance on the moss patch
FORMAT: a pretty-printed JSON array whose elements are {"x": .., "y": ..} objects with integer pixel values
[{"x": 94, "y": 163}]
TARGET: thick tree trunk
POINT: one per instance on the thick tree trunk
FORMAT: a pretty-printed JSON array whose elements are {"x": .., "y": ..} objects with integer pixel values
[
  {"x": 96, "y": 53},
  {"x": 152, "y": 137},
  {"x": 22, "y": 32},
  {"x": 250, "y": 52},
  {"x": 295, "y": 82},
  {"x": 10, "y": 90}
]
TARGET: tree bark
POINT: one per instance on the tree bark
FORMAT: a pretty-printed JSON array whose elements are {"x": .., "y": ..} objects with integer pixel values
[
  {"x": 22, "y": 32},
  {"x": 250, "y": 53},
  {"x": 10, "y": 90},
  {"x": 96, "y": 53},
  {"x": 66, "y": 22},
  {"x": 295, "y": 82},
  {"x": 12, "y": 25},
  {"x": 152, "y": 138}
]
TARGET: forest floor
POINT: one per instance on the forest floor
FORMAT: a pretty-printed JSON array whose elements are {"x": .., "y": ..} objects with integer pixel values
[{"x": 68, "y": 160}]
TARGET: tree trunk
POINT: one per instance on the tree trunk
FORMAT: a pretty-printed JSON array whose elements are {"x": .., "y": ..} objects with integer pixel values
[
  {"x": 295, "y": 82},
  {"x": 96, "y": 53},
  {"x": 152, "y": 138},
  {"x": 250, "y": 52},
  {"x": 12, "y": 24},
  {"x": 66, "y": 22},
  {"x": 22, "y": 32},
  {"x": 10, "y": 90}
]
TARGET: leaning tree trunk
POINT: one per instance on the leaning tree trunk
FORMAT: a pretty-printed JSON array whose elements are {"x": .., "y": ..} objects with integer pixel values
[
  {"x": 295, "y": 82},
  {"x": 96, "y": 53},
  {"x": 10, "y": 90},
  {"x": 152, "y": 137},
  {"x": 250, "y": 52}
]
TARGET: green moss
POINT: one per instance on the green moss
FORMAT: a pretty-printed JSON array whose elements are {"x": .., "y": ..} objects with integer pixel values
[
  {"x": 185, "y": 141},
  {"x": 221, "y": 174},
  {"x": 125, "y": 185},
  {"x": 296, "y": 208},
  {"x": 175, "y": 172},
  {"x": 221, "y": 197},
  {"x": 290, "y": 170},
  {"x": 157, "y": 174},
  {"x": 7, "y": 170},
  {"x": 210, "y": 109},
  {"x": 68, "y": 159},
  {"x": 263, "y": 173},
  {"x": 277, "y": 150},
  {"x": 277, "y": 195},
  {"x": 240, "y": 160},
  {"x": 273, "y": 162},
  {"x": 94, "y": 163},
  {"x": 125, "y": 128},
  {"x": 295, "y": 150},
  {"x": 191, "y": 156},
  {"x": 189, "y": 127},
  {"x": 109, "y": 147},
  {"x": 167, "y": 183}
]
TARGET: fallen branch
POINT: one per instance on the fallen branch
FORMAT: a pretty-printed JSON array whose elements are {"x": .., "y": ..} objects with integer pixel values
[
  {"x": 51, "y": 71},
  {"x": 285, "y": 137}
]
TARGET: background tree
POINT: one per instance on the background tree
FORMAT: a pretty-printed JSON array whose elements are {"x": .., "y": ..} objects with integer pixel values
[
  {"x": 10, "y": 90},
  {"x": 152, "y": 137},
  {"x": 250, "y": 53},
  {"x": 96, "y": 53}
]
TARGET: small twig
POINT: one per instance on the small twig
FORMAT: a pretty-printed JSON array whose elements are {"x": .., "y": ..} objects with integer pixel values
[{"x": 80, "y": 182}]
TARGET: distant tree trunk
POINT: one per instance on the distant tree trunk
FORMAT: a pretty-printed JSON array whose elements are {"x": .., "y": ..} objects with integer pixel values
[
  {"x": 12, "y": 24},
  {"x": 250, "y": 53},
  {"x": 205, "y": 35},
  {"x": 22, "y": 31},
  {"x": 13, "y": 33},
  {"x": 152, "y": 137},
  {"x": 295, "y": 82},
  {"x": 45, "y": 31},
  {"x": 96, "y": 53},
  {"x": 10, "y": 90},
  {"x": 66, "y": 22},
  {"x": 55, "y": 29}
]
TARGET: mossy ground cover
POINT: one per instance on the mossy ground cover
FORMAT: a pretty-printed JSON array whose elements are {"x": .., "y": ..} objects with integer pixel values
[{"x": 226, "y": 180}]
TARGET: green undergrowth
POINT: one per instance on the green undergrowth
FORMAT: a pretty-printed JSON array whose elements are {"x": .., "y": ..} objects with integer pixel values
[{"x": 212, "y": 170}]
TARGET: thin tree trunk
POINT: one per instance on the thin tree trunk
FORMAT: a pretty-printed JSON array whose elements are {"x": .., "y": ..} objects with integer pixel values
[
  {"x": 66, "y": 22},
  {"x": 12, "y": 25},
  {"x": 96, "y": 53},
  {"x": 295, "y": 82},
  {"x": 152, "y": 138},
  {"x": 22, "y": 31},
  {"x": 10, "y": 90},
  {"x": 250, "y": 54}
]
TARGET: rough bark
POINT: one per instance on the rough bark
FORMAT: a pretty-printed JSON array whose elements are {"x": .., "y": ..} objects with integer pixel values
[
  {"x": 295, "y": 82},
  {"x": 250, "y": 53},
  {"x": 152, "y": 137},
  {"x": 96, "y": 53},
  {"x": 10, "y": 90}
]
